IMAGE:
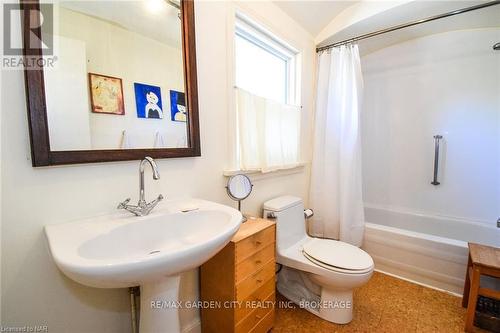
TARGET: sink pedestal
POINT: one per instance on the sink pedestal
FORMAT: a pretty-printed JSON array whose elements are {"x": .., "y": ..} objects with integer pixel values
[{"x": 159, "y": 306}]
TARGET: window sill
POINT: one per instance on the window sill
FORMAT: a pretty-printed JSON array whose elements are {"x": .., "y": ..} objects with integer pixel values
[{"x": 257, "y": 174}]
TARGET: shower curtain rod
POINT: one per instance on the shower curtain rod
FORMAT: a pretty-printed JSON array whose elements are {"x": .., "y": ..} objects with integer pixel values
[{"x": 406, "y": 25}]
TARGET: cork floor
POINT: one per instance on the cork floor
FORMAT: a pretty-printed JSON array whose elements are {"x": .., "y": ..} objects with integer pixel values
[{"x": 385, "y": 304}]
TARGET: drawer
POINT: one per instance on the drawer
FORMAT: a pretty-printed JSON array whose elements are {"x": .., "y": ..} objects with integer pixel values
[
  {"x": 246, "y": 287},
  {"x": 257, "y": 296},
  {"x": 254, "y": 262},
  {"x": 265, "y": 324},
  {"x": 257, "y": 315},
  {"x": 248, "y": 246}
]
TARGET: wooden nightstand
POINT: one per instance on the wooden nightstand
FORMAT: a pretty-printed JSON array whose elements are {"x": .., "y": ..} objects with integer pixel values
[
  {"x": 483, "y": 260},
  {"x": 240, "y": 282}
]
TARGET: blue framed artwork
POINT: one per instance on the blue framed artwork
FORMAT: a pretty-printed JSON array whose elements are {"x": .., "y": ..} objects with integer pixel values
[
  {"x": 148, "y": 101},
  {"x": 178, "y": 109}
]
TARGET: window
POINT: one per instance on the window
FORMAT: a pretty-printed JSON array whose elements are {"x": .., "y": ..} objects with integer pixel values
[
  {"x": 264, "y": 65},
  {"x": 267, "y": 118}
]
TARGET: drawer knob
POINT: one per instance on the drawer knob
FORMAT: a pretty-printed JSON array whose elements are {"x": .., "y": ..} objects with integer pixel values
[
  {"x": 258, "y": 242},
  {"x": 258, "y": 262},
  {"x": 258, "y": 316},
  {"x": 259, "y": 281}
]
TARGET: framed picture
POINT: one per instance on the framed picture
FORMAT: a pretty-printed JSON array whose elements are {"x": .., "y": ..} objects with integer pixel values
[
  {"x": 106, "y": 94},
  {"x": 178, "y": 109},
  {"x": 148, "y": 101}
]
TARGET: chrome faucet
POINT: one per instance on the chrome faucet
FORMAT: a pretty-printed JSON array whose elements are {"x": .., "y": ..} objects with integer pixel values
[{"x": 143, "y": 208}]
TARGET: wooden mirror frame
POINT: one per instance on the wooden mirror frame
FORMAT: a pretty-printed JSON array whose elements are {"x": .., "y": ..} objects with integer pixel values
[{"x": 42, "y": 155}]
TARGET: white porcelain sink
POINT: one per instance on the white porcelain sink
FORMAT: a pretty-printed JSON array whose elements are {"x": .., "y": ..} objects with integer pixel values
[{"x": 122, "y": 250}]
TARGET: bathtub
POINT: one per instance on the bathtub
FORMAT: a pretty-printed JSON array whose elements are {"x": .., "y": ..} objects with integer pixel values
[{"x": 427, "y": 249}]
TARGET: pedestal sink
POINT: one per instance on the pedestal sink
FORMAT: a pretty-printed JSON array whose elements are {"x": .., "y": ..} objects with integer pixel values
[{"x": 121, "y": 250}]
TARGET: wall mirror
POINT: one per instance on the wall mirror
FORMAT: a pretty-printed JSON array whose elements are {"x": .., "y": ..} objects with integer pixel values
[{"x": 122, "y": 85}]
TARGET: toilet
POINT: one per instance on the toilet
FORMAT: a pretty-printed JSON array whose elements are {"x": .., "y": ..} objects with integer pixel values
[{"x": 317, "y": 274}]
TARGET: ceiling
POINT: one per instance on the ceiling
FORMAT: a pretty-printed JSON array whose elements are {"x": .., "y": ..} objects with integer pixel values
[
  {"x": 481, "y": 18},
  {"x": 143, "y": 17},
  {"x": 313, "y": 15}
]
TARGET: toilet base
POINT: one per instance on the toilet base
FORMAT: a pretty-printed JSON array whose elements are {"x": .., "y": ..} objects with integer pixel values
[{"x": 336, "y": 305}]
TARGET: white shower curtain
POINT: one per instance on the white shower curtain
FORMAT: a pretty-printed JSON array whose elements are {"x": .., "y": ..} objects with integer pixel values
[{"x": 336, "y": 188}]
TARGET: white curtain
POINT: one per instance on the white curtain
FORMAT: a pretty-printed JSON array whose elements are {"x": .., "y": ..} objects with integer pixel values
[
  {"x": 336, "y": 188},
  {"x": 268, "y": 133}
]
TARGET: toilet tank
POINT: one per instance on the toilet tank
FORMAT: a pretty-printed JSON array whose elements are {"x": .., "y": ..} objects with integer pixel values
[{"x": 289, "y": 216}]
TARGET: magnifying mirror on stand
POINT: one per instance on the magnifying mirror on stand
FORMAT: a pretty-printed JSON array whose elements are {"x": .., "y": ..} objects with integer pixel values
[{"x": 239, "y": 188}]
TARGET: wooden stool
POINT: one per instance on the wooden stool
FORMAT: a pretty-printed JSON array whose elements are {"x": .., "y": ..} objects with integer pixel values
[{"x": 483, "y": 260}]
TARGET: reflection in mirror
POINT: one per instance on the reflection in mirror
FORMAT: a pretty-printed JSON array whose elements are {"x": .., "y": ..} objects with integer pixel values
[
  {"x": 119, "y": 78},
  {"x": 239, "y": 188}
]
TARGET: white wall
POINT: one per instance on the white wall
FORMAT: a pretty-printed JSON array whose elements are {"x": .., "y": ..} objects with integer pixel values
[
  {"x": 33, "y": 290},
  {"x": 445, "y": 84},
  {"x": 66, "y": 88},
  {"x": 1, "y": 201}
]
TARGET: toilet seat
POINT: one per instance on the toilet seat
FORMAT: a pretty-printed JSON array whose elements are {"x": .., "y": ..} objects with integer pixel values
[{"x": 337, "y": 256}]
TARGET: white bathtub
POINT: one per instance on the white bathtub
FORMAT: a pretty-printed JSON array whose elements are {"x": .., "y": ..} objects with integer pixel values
[{"x": 427, "y": 249}]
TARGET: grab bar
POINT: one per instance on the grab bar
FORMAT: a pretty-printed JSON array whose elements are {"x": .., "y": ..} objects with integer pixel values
[{"x": 437, "y": 139}]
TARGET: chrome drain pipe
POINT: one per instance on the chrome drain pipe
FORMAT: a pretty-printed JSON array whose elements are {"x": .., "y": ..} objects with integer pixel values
[{"x": 134, "y": 292}]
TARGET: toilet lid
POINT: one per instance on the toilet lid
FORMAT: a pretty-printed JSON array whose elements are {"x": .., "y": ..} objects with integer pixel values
[{"x": 337, "y": 254}]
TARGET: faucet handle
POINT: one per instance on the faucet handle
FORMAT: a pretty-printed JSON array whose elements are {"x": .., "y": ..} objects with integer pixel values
[
  {"x": 123, "y": 205},
  {"x": 149, "y": 206}
]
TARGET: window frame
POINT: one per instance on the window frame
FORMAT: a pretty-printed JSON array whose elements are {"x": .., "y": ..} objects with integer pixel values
[{"x": 254, "y": 33}]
